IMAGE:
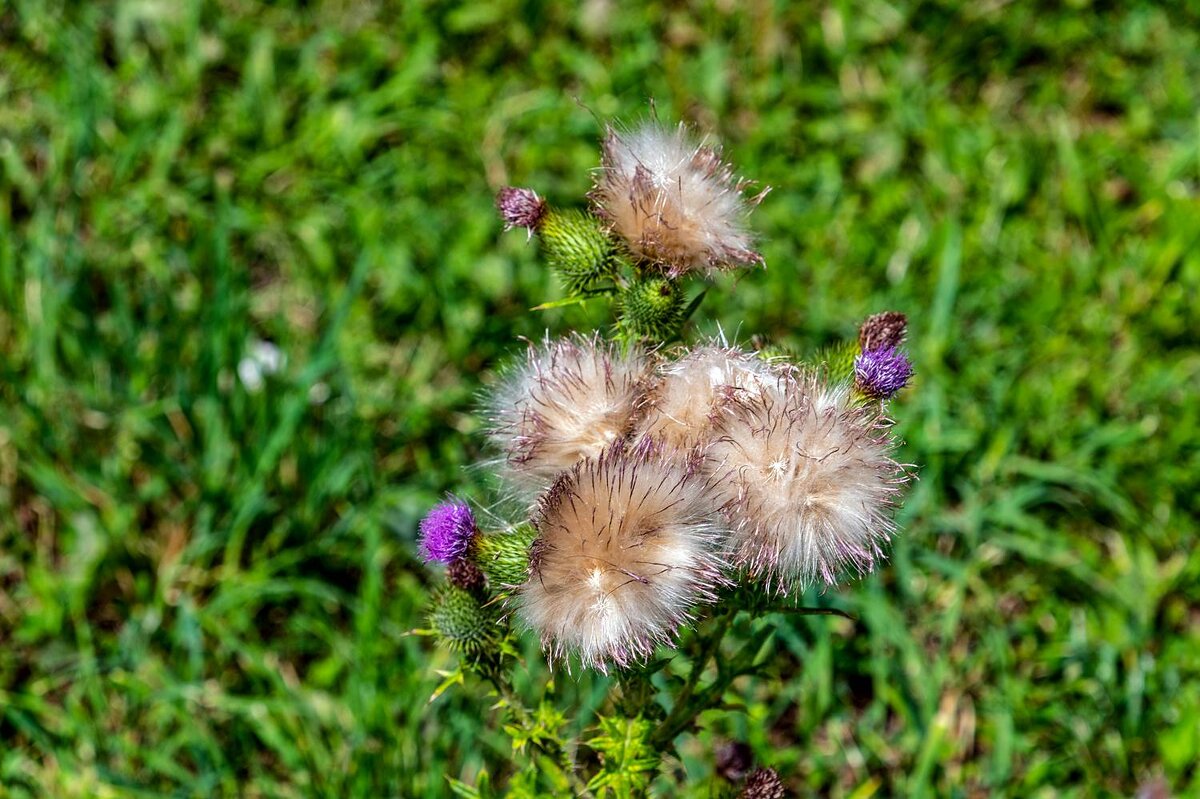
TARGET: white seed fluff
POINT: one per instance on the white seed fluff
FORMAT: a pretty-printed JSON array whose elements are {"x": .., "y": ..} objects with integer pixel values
[
  {"x": 673, "y": 200},
  {"x": 809, "y": 482},
  {"x": 628, "y": 543},
  {"x": 568, "y": 400},
  {"x": 684, "y": 404}
]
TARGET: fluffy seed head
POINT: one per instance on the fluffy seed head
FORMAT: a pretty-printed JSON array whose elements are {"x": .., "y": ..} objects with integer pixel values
[
  {"x": 570, "y": 399},
  {"x": 809, "y": 483},
  {"x": 627, "y": 544},
  {"x": 446, "y": 531},
  {"x": 520, "y": 208},
  {"x": 690, "y": 394},
  {"x": 881, "y": 373},
  {"x": 674, "y": 200},
  {"x": 886, "y": 329}
]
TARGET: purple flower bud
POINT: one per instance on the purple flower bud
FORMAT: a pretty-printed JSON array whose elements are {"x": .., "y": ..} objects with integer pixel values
[
  {"x": 466, "y": 575},
  {"x": 885, "y": 329},
  {"x": 520, "y": 208},
  {"x": 882, "y": 372},
  {"x": 446, "y": 531}
]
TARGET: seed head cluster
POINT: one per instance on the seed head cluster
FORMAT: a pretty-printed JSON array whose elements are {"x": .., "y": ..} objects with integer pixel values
[
  {"x": 674, "y": 200},
  {"x": 652, "y": 477},
  {"x": 663, "y": 477}
]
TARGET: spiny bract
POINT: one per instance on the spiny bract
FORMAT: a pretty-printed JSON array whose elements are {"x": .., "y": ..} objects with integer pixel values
[
  {"x": 651, "y": 309},
  {"x": 504, "y": 556},
  {"x": 577, "y": 249},
  {"x": 462, "y": 621}
]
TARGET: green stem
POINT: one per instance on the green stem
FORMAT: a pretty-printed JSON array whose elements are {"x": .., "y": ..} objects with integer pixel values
[
  {"x": 685, "y": 709},
  {"x": 810, "y": 611}
]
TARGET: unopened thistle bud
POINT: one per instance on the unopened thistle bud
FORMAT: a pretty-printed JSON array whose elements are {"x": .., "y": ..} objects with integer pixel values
[
  {"x": 446, "y": 531},
  {"x": 809, "y": 483},
  {"x": 881, "y": 330},
  {"x": 465, "y": 575},
  {"x": 836, "y": 361},
  {"x": 504, "y": 556},
  {"x": 577, "y": 249},
  {"x": 628, "y": 543},
  {"x": 674, "y": 201},
  {"x": 651, "y": 309},
  {"x": 881, "y": 373},
  {"x": 462, "y": 622},
  {"x": 569, "y": 400},
  {"x": 763, "y": 783},
  {"x": 520, "y": 208}
]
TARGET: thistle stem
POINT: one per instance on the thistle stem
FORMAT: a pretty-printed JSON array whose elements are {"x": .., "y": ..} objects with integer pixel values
[{"x": 685, "y": 710}]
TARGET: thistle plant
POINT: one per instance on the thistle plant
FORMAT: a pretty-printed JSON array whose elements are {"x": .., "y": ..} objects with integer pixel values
[{"x": 662, "y": 494}]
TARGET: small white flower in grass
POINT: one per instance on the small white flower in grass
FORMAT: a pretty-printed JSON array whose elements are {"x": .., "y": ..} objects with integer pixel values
[
  {"x": 628, "y": 543},
  {"x": 674, "y": 201},
  {"x": 265, "y": 359},
  {"x": 569, "y": 399},
  {"x": 684, "y": 403},
  {"x": 808, "y": 481}
]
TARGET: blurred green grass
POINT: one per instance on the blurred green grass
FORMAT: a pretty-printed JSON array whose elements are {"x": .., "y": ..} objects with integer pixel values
[{"x": 205, "y": 590}]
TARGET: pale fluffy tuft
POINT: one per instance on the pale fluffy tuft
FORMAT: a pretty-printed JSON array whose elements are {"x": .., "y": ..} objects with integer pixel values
[
  {"x": 809, "y": 483},
  {"x": 628, "y": 543},
  {"x": 684, "y": 404},
  {"x": 674, "y": 201},
  {"x": 570, "y": 399}
]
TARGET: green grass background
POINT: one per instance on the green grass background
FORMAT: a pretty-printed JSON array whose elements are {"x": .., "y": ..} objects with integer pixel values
[{"x": 205, "y": 591}]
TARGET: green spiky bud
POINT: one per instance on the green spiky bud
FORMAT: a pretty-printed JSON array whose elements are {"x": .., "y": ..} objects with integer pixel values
[
  {"x": 651, "y": 309},
  {"x": 504, "y": 556},
  {"x": 777, "y": 353},
  {"x": 577, "y": 249},
  {"x": 462, "y": 621},
  {"x": 838, "y": 360}
]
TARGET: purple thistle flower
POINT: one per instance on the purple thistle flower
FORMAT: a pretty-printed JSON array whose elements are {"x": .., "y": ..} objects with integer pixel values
[
  {"x": 446, "y": 531},
  {"x": 520, "y": 208},
  {"x": 882, "y": 372}
]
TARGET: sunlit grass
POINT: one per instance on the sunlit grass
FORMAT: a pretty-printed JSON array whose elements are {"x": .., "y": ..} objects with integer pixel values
[{"x": 205, "y": 589}]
